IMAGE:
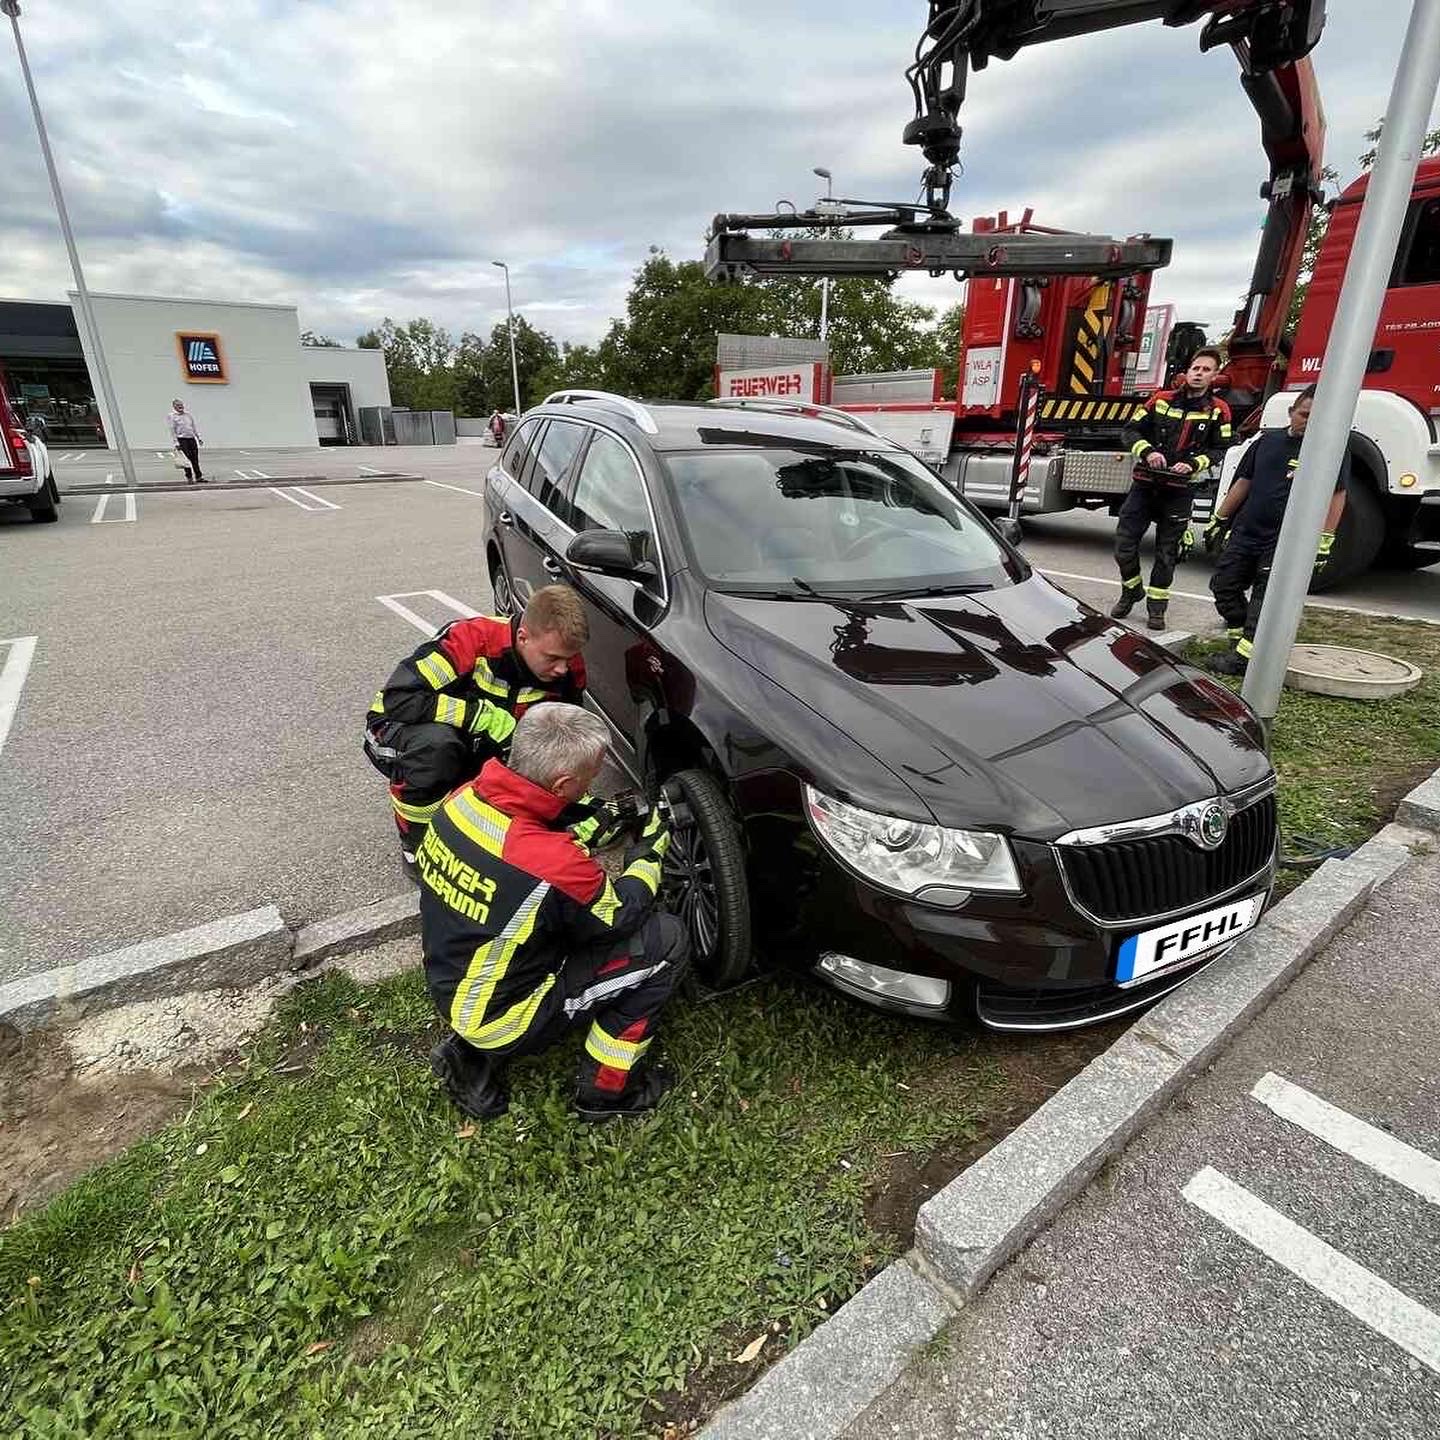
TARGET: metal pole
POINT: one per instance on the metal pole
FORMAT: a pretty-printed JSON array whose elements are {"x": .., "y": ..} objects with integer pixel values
[
  {"x": 87, "y": 312},
  {"x": 510, "y": 311},
  {"x": 1342, "y": 373},
  {"x": 825, "y": 280}
]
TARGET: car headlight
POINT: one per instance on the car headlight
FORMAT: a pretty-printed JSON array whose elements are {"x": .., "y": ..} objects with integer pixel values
[{"x": 909, "y": 856}]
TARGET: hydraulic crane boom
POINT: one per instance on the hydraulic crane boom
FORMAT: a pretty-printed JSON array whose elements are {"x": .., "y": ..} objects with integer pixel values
[{"x": 1271, "y": 40}]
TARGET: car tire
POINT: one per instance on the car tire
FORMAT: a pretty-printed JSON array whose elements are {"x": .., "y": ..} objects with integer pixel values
[
  {"x": 504, "y": 597},
  {"x": 703, "y": 881},
  {"x": 45, "y": 504}
]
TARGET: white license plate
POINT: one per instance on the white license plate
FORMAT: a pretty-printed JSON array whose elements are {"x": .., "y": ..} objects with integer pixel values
[{"x": 1182, "y": 940}]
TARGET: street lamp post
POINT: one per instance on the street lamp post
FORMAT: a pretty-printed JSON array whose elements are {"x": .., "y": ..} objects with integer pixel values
[
  {"x": 87, "y": 311},
  {"x": 510, "y": 311},
  {"x": 825, "y": 175}
]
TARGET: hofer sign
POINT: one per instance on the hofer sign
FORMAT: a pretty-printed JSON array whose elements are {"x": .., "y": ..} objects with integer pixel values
[{"x": 804, "y": 382}]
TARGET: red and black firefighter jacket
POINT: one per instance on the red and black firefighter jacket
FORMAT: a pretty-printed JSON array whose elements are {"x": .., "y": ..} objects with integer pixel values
[
  {"x": 506, "y": 896},
  {"x": 471, "y": 676},
  {"x": 1186, "y": 429}
]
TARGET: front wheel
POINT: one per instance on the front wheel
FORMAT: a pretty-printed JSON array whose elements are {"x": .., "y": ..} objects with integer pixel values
[{"x": 703, "y": 881}]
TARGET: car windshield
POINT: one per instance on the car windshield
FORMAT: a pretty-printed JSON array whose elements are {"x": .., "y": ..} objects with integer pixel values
[{"x": 832, "y": 522}]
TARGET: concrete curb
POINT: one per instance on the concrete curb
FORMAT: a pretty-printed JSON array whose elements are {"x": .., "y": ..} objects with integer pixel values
[
  {"x": 232, "y": 952},
  {"x": 988, "y": 1213},
  {"x": 213, "y": 487}
]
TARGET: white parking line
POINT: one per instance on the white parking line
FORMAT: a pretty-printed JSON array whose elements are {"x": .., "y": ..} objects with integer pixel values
[
  {"x": 20, "y": 651},
  {"x": 293, "y": 494},
  {"x": 370, "y": 470},
  {"x": 1383, "y": 1153},
  {"x": 254, "y": 475},
  {"x": 392, "y": 602},
  {"x": 318, "y": 499},
  {"x": 1356, "y": 1290},
  {"x": 459, "y": 489},
  {"x": 110, "y": 477},
  {"x": 101, "y": 518}
]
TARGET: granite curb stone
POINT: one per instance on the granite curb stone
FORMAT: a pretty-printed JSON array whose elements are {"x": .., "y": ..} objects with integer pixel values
[
  {"x": 355, "y": 929},
  {"x": 830, "y": 1378}
]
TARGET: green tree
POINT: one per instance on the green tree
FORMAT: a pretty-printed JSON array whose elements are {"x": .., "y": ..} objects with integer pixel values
[
  {"x": 319, "y": 342},
  {"x": 418, "y": 361},
  {"x": 471, "y": 396},
  {"x": 1320, "y": 219},
  {"x": 947, "y": 345},
  {"x": 535, "y": 353},
  {"x": 577, "y": 367}
]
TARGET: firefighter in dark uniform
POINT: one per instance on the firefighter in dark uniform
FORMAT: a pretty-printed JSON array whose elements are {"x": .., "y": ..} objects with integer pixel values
[
  {"x": 453, "y": 702},
  {"x": 1183, "y": 433},
  {"x": 525, "y": 935},
  {"x": 1252, "y": 511}
]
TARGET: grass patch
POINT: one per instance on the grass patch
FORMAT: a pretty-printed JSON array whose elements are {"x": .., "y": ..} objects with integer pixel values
[
  {"x": 328, "y": 1249},
  {"x": 1344, "y": 764}
]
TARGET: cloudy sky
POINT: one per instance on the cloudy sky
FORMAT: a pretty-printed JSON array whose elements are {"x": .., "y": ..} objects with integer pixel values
[{"x": 363, "y": 158}]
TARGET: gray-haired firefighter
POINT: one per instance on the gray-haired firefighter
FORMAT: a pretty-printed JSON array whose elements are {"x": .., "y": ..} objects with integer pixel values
[
  {"x": 1177, "y": 439},
  {"x": 525, "y": 936},
  {"x": 1252, "y": 511}
]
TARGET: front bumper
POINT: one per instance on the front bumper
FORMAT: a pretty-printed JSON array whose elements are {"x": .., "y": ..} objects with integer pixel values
[{"x": 1034, "y": 961}]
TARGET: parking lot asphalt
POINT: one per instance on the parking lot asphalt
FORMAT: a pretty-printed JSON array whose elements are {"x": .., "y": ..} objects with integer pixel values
[
  {"x": 1264, "y": 1261},
  {"x": 186, "y": 740},
  {"x": 461, "y": 463}
]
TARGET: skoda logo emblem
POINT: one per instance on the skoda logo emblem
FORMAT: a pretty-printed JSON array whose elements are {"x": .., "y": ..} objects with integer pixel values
[{"x": 1213, "y": 824}]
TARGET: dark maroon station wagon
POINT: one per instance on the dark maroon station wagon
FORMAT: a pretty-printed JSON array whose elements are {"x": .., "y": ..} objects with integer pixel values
[{"x": 898, "y": 757}]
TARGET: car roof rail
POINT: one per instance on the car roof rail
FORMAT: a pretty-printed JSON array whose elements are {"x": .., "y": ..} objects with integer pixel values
[
  {"x": 632, "y": 409},
  {"x": 803, "y": 407}
]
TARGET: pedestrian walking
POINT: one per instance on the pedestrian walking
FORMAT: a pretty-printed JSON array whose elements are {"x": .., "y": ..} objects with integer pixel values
[
  {"x": 1177, "y": 439},
  {"x": 186, "y": 435},
  {"x": 525, "y": 936},
  {"x": 1253, "y": 511},
  {"x": 497, "y": 428}
]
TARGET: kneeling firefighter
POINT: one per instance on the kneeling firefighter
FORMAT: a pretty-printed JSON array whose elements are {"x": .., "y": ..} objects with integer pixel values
[
  {"x": 1178, "y": 439},
  {"x": 525, "y": 936},
  {"x": 451, "y": 704}
]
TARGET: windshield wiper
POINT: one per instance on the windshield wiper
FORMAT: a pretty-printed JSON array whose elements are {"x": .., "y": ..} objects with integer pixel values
[{"x": 906, "y": 591}]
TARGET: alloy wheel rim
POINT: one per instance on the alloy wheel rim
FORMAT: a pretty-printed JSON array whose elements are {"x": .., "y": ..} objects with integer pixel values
[{"x": 689, "y": 886}]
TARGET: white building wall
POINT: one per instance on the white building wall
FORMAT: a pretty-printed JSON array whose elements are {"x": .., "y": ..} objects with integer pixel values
[
  {"x": 362, "y": 370},
  {"x": 266, "y": 400}
]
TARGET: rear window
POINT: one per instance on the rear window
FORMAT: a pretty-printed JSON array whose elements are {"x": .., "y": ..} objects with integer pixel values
[{"x": 838, "y": 521}]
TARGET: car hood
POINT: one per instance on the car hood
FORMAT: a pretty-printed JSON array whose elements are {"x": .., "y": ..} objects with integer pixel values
[{"x": 1019, "y": 709}]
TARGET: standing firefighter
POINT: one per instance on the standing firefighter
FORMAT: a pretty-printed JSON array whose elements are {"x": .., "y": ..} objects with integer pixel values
[
  {"x": 452, "y": 704},
  {"x": 525, "y": 935},
  {"x": 1253, "y": 511},
  {"x": 1180, "y": 436}
]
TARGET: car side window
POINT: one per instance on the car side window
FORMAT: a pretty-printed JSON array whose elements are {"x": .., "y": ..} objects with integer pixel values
[
  {"x": 558, "y": 447},
  {"x": 610, "y": 495},
  {"x": 517, "y": 451}
]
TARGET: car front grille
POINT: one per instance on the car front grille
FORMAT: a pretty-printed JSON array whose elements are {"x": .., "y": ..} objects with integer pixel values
[{"x": 1155, "y": 875}]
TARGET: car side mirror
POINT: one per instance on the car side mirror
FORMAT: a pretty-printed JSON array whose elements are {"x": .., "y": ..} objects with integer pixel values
[{"x": 607, "y": 552}]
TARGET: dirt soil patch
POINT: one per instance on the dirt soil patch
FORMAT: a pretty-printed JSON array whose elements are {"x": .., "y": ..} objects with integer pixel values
[
  {"x": 1032, "y": 1069},
  {"x": 54, "y": 1125}
]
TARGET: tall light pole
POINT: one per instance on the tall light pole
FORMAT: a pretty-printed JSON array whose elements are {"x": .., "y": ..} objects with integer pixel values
[
  {"x": 1342, "y": 372},
  {"x": 825, "y": 175},
  {"x": 510, "y": 311},
  {"x": 87, "y": 311}
]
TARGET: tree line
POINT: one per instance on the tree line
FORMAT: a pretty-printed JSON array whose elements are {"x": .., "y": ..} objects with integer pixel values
[{"x": 663, "y": 347}]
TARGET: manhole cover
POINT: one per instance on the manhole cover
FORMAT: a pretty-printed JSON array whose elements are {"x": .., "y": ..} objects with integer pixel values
[{"x": 1353, "y": 674}]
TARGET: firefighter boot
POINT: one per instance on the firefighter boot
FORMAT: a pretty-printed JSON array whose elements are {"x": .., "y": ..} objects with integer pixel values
[
  {"x": 1129, "y": 599},
  {"x": 470, "y": 1078},
  {"x": 1155, "y": 614},
  {"x": 645, "y": 1090}
]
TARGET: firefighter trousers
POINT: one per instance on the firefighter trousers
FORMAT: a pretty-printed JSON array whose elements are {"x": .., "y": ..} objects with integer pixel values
[
  {"x": 1168, "y": 507},
  {"x": 619, "y": 988},
  {"x": 424, "y": 764},
  {"x": 1241, "y": 568}
]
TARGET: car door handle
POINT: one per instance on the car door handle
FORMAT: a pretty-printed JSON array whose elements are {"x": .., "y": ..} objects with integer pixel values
[
  {"x": 552, "y": 566},
  {"x": 506, "y": 518}
]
